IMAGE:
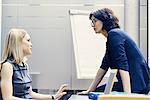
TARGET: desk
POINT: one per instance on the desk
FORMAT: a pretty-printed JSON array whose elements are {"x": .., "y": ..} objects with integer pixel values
[
  {"x": 78, "y": 97},
  {"x": 124, "y": 97},
  {"x": 112, "y": 97}
]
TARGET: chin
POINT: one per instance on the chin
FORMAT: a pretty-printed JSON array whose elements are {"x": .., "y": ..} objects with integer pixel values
[
  {"x": 29, "y": 53},
  {"x": 97, "y": 32}
]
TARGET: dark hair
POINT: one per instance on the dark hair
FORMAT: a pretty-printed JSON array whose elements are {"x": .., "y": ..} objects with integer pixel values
[{"x": 106, "y": 15}]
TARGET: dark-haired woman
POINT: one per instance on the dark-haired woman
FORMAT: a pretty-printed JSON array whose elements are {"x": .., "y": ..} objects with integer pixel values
[{"x": 121, "y": 53}]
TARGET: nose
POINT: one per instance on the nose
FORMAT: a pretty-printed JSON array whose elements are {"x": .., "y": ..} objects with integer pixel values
[
  {"x": 92, "y": 24},
  {"x": 31, "y": 44}
]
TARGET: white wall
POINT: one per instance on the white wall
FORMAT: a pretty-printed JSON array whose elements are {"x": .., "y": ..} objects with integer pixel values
[
  {"x": 132, "y": 19},
  {"x": 143, "y": 28}
]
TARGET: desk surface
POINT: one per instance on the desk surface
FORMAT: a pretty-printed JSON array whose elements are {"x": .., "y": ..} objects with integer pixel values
[
  {"x": 78, "y": 97},
  {"x": 112, "y": 97},
  {"x": 124, "y": 97}
]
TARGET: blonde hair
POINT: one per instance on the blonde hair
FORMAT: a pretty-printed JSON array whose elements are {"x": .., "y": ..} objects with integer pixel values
[{"x": 13, "y": 45}]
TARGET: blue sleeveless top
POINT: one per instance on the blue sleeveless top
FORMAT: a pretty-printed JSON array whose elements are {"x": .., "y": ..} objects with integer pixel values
[{"x": 21, "y": 81}]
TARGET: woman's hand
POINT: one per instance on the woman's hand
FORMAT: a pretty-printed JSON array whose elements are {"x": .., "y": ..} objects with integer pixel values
[
  {"x": 60, "y": 92},
  {"x": 83, "y": 92}
]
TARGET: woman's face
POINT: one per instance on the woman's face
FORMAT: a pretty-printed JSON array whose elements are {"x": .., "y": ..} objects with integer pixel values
[
  {"x": 27, "y": 45},
  {"x": 96, "y": 24}
]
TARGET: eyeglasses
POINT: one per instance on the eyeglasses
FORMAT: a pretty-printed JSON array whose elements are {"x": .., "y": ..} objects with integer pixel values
[{"x": 93, "y": 21}]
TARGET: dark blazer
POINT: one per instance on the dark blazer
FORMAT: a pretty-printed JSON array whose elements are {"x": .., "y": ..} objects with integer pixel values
[{"x": 123, "y": 53}]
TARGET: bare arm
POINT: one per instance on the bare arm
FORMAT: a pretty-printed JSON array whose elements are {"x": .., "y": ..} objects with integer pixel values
[
  {"x": 125, "y": 80},
  {"x": 35, "y": 95},
  {"x": 58, "y": 95},
  {"x": 99, "y": 76},
  {"x": 6, "y": 82}
]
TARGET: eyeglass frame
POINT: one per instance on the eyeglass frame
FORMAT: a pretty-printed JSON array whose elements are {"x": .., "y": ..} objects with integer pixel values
[{"x": 93, "y": 21}]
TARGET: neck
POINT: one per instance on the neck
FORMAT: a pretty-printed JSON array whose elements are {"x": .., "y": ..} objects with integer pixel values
[{"x": 104, "y": 32}]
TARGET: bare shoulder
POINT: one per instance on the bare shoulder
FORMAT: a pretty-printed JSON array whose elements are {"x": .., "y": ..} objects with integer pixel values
[
  {"x": 7, "y": 65},
  {"x": 7, "y": 69}
]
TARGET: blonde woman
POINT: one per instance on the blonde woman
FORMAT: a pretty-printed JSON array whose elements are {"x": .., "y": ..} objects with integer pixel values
[{"x": 15, "y": 79}]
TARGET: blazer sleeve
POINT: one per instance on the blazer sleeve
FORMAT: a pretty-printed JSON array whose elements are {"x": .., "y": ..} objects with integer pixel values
[
  {"x": 105, "y": 62},
  {"x": 117, "y": 51}
]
